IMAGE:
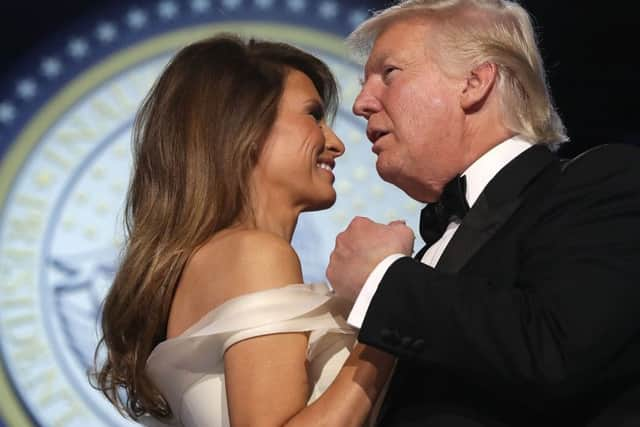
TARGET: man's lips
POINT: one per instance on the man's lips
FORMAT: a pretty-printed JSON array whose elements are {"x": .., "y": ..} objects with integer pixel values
[
  {"x": 375, "y": 134},
  {"x": 376, "y": 144}
]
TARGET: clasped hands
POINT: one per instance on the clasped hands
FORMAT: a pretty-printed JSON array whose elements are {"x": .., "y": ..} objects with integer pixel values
[{"x": 360, "y": 248}]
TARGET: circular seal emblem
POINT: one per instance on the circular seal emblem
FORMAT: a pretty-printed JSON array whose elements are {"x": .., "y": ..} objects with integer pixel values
[{"x": 65, "y": 126}]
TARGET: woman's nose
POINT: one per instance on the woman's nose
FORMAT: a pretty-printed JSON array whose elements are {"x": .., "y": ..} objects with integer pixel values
[{"x": 333, "y": 143}]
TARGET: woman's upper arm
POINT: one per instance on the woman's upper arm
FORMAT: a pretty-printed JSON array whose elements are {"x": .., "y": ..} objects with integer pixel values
[
  {"x": 266, "y": 379},
  {"x": 266, "y": 376}
]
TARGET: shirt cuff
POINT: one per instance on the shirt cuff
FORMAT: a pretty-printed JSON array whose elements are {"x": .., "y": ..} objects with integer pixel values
[{"x": 360, "y": 307}]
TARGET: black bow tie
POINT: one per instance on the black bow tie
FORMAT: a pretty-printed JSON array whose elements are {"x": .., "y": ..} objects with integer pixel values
[{"x": 435, "y": 217}]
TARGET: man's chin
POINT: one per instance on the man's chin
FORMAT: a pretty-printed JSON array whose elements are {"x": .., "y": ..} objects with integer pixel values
[
  {"x": 395, "y": 177},
  {"x": 389, "y": 174}
]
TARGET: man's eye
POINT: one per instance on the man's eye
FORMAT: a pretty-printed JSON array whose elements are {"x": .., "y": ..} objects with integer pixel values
[{"x": 388, "y": 70}]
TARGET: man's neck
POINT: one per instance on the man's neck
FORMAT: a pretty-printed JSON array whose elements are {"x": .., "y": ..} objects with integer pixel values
[
  {"x": 480, "y": 172},
  {"x": 481, "y": 143}
]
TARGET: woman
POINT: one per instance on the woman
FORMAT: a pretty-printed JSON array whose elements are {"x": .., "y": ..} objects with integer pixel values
[{"x": 207, "y": 322}]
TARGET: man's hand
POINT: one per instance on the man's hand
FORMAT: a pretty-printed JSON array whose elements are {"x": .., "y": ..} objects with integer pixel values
[{"x": 360, "y": 248}]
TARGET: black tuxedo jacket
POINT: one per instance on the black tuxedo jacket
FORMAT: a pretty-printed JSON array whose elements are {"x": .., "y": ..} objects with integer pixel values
[{"x": 532, "y": 315}]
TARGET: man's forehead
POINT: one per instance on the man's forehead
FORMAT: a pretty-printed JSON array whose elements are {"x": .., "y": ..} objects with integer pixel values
[
  {"x": 402, "y": 52},
  {"x": 377, "y": 57},
  {"x": 395, "y": 38}
]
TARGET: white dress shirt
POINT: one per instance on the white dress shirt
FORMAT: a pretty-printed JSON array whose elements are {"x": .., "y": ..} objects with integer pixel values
[{"x": 477, "y": 176}]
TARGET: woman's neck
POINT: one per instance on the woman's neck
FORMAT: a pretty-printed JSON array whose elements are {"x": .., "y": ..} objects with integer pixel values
[
  {"x": 278, "y": 219},
  {"x": 281, "y": 223}
]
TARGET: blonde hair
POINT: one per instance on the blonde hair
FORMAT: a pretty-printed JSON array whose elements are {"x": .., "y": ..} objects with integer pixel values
[
  {"x": 472, "y": 32},
  {"x": 196, "y": 139}
]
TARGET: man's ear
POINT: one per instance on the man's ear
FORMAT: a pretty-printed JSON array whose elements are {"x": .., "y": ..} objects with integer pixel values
[{"x": 479, "y": 85}]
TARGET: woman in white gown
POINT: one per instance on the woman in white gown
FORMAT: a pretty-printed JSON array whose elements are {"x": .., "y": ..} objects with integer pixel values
[{"x": 208, "y": 322}]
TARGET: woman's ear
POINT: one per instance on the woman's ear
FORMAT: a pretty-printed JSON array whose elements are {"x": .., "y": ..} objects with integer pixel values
[{"x": 479, "y": 85}]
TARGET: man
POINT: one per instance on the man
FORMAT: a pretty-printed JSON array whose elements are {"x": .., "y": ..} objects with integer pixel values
[{"x": 524, "y": 308}]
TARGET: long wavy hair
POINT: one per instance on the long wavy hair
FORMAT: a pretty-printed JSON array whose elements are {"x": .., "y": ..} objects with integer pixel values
[{"x": 196, "y": 139}]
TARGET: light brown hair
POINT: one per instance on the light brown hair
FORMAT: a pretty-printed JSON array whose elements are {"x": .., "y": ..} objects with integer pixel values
[
  {"x": 472, "y": 32},
  {"x": 196, "y": 139}
]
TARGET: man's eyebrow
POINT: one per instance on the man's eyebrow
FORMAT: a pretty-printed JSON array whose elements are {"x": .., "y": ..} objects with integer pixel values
[{"x": 375, "y": 62}]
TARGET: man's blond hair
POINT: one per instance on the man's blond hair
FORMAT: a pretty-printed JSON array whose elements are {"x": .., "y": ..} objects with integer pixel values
[{"x": 472, "y": 32}]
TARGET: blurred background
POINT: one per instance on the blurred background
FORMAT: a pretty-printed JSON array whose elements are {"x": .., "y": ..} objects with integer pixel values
[
  {"x": 71, "y": 76},
  {"x": 590, "y": 50}
]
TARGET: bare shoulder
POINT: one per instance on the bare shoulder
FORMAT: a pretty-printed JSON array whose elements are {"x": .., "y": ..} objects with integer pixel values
[
  {"x": 250, "y": 260},
  {"x": 229, "y": 265}
]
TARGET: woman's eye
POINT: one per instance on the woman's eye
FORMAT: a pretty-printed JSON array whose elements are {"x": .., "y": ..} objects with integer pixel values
[{"x": 317, "y": 114}]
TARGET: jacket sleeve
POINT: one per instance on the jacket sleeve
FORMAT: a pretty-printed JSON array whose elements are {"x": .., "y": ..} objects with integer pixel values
[{"x": 569, "y": 320}]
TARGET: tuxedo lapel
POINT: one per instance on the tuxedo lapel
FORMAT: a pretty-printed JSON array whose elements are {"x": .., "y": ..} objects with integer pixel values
[
  {"x": 500, "y": 199},
  {"x": 418, "y": 256},
  {"x": 480, "y": 224}
]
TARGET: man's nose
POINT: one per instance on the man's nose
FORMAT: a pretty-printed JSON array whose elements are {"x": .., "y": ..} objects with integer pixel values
[{"x": 365, "y": 104}]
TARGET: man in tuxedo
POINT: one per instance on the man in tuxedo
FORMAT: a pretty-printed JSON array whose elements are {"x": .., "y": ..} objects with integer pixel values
[{"x": 523, "y": 309}]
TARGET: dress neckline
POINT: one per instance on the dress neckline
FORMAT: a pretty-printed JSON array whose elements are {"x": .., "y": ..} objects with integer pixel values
[{"x": 319, "y": 288}]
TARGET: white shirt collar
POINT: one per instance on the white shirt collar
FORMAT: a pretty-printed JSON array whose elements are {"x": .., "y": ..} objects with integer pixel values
[{"x": 480, "y": 172}]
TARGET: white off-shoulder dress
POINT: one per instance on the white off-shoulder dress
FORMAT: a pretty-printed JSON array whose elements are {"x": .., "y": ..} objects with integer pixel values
[{"x": 189, "y": 369}]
